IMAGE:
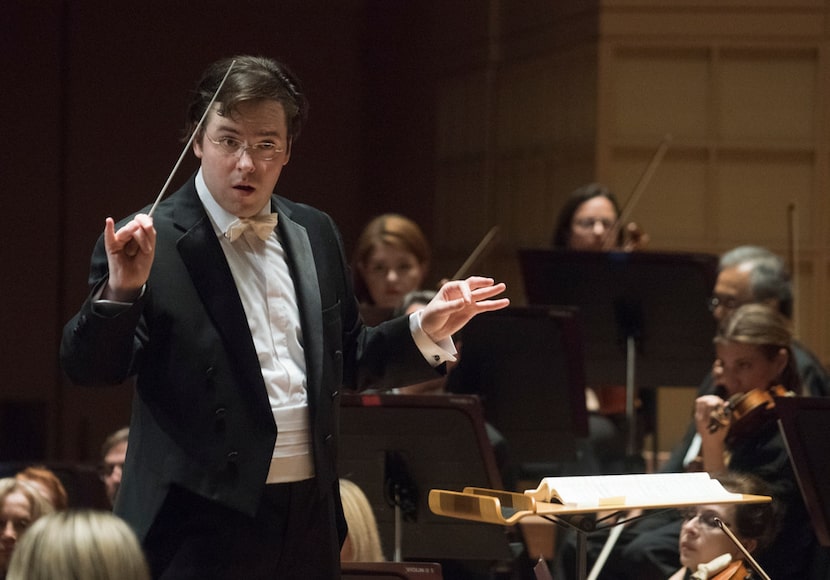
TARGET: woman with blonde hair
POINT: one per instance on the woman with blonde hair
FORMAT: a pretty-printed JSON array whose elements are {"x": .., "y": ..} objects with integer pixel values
[
  {"x": 20, "y": 505},
  {"x": 88, "y": 544},
  {"x": 362, "y": 543}
]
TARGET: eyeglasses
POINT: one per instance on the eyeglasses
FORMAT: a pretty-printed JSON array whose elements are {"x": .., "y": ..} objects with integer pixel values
[
  {"x": 707, "y": 518},
  {"x": 727, "y": 302},
  {"x": 590, "y": 223},
  {"x": 262, "y": 151}
]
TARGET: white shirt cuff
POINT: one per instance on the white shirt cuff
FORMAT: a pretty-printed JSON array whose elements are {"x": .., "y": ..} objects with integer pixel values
[{"x": 434, "y": 353}]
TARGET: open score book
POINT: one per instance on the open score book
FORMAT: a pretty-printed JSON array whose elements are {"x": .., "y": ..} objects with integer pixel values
[
  {"x": 627, "y": 490},
  {"x": 585, "y": 494}
]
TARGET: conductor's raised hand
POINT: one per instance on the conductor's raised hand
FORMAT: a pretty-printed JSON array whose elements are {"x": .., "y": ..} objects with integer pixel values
[
  {"x": 130, "y": 253},
  {"x": 457, "y": 302}
]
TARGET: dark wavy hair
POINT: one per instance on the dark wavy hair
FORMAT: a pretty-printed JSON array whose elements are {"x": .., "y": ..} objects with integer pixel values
[
  {"x": 251, "y": 78},
  {"x": 753, "y": 521}
]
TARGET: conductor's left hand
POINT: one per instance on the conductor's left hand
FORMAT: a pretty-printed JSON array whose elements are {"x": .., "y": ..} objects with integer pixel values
[{"x": 457, "y": 302}]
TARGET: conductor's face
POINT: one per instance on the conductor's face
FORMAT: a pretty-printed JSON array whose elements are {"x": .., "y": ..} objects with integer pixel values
[{"x": 243, "y": 155}]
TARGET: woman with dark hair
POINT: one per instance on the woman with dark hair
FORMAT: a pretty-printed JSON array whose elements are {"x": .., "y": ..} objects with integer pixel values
[
  {"x": 705, "y": 546},
  {"x": 589, "y": 217}
]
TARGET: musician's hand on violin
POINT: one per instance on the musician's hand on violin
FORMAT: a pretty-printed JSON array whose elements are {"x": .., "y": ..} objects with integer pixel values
[
  {"x": 457, "y": 302},
  {"x": 130, "y": 253},
  {"x": 634, "y": 238},
  {"x": 707, "y": 409}
]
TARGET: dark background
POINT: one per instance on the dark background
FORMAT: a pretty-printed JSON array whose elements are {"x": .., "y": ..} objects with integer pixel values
[{"x": 92, "y": 116}]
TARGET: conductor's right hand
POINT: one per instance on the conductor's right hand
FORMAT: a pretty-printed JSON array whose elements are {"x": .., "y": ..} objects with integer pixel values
[{"x": 130, "y": 253}]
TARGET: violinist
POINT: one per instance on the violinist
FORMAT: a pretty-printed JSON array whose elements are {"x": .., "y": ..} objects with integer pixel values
[
  {"x": 588, "y": 222},
  {"x": 746, "y": 275},
  {"x": 706, "y": 552},
  {"x": 753, "y": 360},
  {"x": 754, "y": 356},
  {"x": 754, "y": 351}
]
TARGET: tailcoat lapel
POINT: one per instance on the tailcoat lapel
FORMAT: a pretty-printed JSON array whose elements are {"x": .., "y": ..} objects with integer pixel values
[
  {"x": 209, "y": 271},
  {"x": 304, "y": 273}
]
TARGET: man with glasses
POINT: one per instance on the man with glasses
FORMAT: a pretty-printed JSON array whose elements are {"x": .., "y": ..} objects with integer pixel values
[
  {"x": 241, "y": 330},
  {"x": 113, "y": 455},
  {"x": 752, "y": 274}
]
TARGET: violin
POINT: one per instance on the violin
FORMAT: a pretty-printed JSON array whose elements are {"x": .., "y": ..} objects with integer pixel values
[{"x": 744, "y": 413}]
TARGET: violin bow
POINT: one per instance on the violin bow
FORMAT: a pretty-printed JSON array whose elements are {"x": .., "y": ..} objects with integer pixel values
[
  {"x": 792, "y": 238},
  {"x": 642, "y": 183},
  {"x": 476, "y": 254}
]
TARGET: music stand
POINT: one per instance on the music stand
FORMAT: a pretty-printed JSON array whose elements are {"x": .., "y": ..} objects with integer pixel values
[
  {"x": 805, "y": 426},
  {"x": 391, "y": 571},
  {"x": 434, "y": 441},
  {"x": 526, "y": 365},
  {"x": 643, "y": 313}
]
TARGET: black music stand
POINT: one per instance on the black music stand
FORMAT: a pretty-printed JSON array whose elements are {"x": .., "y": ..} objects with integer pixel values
[
  {"x": 411, "y": 444},
  {"x": 526, "y": 364},
  {"x": 644, "y": 313},
  {"x": 805, "y": 426}
]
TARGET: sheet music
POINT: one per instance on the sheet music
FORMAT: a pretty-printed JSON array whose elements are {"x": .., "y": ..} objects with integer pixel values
[{"x": 631, "y": 489}]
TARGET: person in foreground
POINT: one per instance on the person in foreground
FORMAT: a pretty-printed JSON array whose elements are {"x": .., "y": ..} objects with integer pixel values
[
  {"x": 706, "y": 552},
  {"x": 362, "y": 543},
  {"x": 88, "y": 544},
  {"x": 240, "y": 339}
]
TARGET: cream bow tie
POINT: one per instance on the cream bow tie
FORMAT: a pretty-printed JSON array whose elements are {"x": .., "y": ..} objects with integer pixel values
[{"x": 261, "y": 225}]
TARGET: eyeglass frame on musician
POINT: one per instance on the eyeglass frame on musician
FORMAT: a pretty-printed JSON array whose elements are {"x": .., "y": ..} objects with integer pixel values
[
  {"x": 589, "y": 223},
  {"x": 728, "y": 302},
  {"x": 255, "y": 151},
  {"x": 706, "y": 518}
]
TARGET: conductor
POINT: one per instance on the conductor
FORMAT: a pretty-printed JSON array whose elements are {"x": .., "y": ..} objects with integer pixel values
[{"x": 239, "y": 338}]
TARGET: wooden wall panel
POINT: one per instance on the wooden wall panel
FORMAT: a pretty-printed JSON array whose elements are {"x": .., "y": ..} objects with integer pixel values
[
  {"x": 768, "y": 96},
  {"x": 660, "y": 90}
]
